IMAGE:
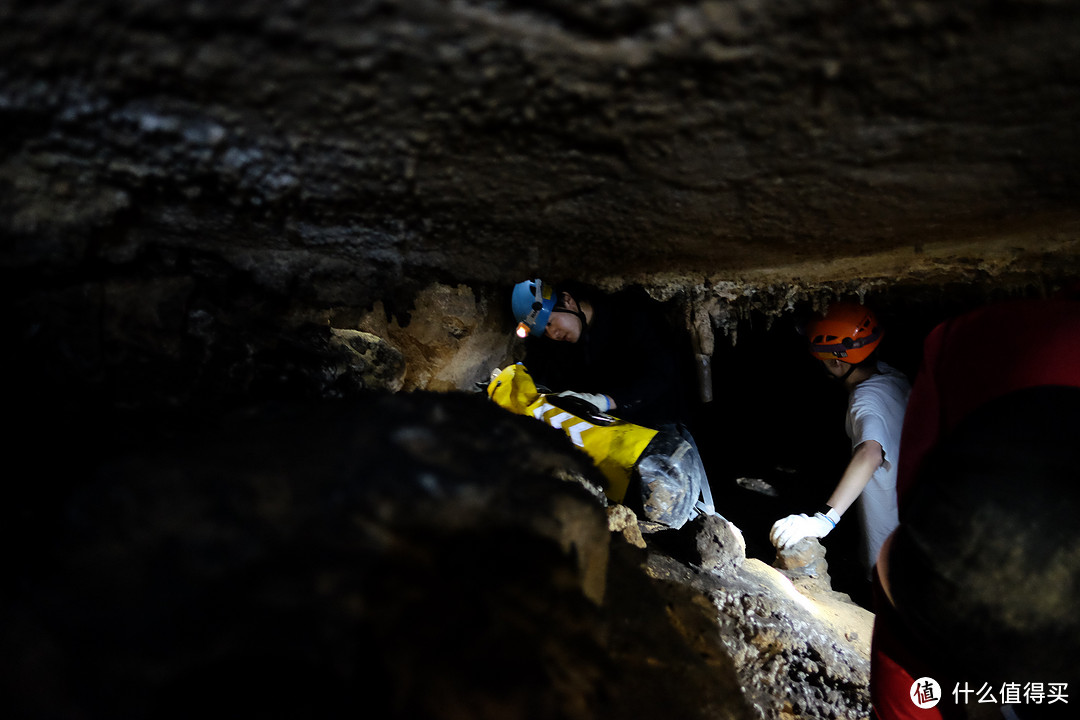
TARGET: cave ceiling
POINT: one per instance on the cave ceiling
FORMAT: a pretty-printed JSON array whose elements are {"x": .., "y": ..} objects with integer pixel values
[{"x": 348, "y": 154}]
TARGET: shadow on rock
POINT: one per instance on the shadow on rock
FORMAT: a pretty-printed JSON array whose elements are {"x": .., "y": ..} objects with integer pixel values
[{"x": 419, "y": 555}]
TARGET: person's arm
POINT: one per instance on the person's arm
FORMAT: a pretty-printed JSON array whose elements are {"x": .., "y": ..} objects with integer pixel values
[
  {"x": 867, "y": 458},
  {"x": 603, "y": 403}
]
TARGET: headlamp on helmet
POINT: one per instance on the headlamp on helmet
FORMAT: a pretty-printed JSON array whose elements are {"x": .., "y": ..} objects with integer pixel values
[{"x": 532, "y": 305}]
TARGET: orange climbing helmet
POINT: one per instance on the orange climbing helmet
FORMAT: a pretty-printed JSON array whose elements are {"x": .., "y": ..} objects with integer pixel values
[{"x": 848, "y": 332}]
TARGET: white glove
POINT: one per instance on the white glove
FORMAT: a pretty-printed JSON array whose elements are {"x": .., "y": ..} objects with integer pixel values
[
  {"x": 790, "y": 530},
  {"x": 600, "y": 402}
]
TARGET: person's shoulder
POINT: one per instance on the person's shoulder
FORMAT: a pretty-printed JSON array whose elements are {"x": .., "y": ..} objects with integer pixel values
[
  {"x": 890, "y": 374},
  {"x": 888, "y": 384}
]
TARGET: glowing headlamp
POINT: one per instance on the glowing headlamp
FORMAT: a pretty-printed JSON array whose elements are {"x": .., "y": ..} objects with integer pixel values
[{"x": 525, "y": 326}]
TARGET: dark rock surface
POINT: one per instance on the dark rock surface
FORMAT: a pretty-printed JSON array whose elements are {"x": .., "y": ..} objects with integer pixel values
[
  {"x": 421, "y": 555},
  {"x": 342, "y": 151},
  {"x": 188, "y": 189},
  {"x": 411, "y": 556}
]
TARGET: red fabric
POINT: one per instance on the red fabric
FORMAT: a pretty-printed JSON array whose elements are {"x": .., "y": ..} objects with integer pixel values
[
  {"x": 980, "y": 356},
  {"x": 893, "y": 668},
  {"x": 967, "y": 361}
]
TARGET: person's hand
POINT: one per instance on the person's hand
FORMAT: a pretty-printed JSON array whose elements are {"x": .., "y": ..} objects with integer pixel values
[
  {"x": 790, "y": 530},
  {"x": 601, "y": 402}
]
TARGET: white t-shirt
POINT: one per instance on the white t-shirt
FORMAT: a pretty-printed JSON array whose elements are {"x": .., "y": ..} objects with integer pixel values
[{"x": 876, "y": 412}]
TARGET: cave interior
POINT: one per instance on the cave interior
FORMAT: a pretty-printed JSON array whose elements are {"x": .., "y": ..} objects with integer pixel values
[{"x": 220, "y": 217}]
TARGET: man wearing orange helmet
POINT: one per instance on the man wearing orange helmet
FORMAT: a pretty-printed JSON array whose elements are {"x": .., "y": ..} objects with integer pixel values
[{"x": 846, "y": 340}]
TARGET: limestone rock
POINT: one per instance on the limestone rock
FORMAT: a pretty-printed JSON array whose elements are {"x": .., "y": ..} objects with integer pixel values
[
  {"x": 720, "y": 544},
  {"x": 804, "y": 563},
  {"x": 623, "y": 520},
  {"x": 371, "y": 362}
]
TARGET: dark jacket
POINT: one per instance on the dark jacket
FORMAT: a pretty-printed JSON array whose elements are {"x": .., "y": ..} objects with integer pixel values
[{"x": 630, "y": 352}]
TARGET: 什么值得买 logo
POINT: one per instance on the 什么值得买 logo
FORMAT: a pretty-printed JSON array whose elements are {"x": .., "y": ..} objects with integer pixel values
[{"x": 925, "y": 693}]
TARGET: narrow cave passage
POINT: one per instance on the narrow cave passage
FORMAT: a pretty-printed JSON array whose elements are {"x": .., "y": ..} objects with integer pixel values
[{"x": 773, "y": 439}]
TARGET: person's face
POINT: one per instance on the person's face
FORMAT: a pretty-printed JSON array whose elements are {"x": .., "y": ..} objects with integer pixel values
[
  {"x": 835, "y": 367},
  {"x": 563, "y": 326}
]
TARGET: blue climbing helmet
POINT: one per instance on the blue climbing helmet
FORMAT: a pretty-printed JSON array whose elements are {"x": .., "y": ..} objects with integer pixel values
[{"x": 532, "y": 304}]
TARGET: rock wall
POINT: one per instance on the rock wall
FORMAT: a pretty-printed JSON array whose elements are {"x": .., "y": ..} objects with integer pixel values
[
  {"x": 412, "y": 555},
  {"x": 189, "y": 189}
]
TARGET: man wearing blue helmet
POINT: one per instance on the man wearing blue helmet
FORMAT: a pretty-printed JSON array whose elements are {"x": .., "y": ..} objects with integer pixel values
[
  {"x": 619, "y": 351},
  {"x": 533, "y": 305}
]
